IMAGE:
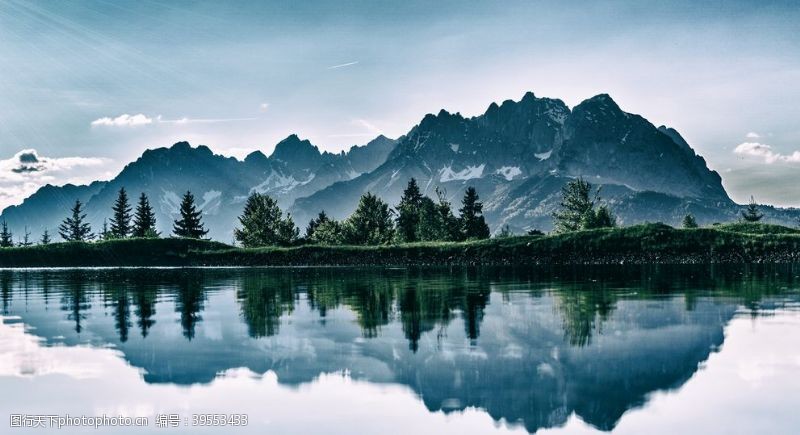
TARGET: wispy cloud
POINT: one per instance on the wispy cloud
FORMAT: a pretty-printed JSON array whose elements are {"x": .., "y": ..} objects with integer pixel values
[
  {"x": 753, "y": 135},
  {"x": 123, "y": 120},
  {"x": 200, "y": 120},
  {"x": 371, "y": 129},
  {"x": 342, "y": 65},
  {"x": 765, "y": 152}
]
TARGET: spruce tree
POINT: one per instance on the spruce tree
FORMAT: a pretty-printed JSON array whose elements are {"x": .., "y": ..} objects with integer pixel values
[
  {"x": 104, "y": 233},
  {"x": 408, "y": 213},
  {"x": 473, "y": 224},
  {"x": 189, "y": 224},
  {"x": 371, "y": 223},
  {"x": 121, "y": 217},
  {"x": 752, "y": 213},
  {"x": 689, "y": 221},
  {"x": 144, "y": 219},
  {"x": 26, "y": 238},
  {"x": 6, "y": 238},
  {"x": 45, "y": 237},
  {"x": 75, "y": 228}
]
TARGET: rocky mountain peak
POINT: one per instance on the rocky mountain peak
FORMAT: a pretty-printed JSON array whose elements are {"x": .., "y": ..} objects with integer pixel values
[{"x": 296, "y": 150}]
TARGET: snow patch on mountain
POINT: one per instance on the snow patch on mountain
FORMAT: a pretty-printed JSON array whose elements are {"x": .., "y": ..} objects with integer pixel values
[
  {"x": 470, "y": 172},
  {"x": 454, "y": 147},
  {"x": 170, "y": 202},
  {"x": 276, "y": 183},
  {"x": 211, "y": 202},
  {"x": 544, "y": 156},
  {"x": 509, "y": 172}
]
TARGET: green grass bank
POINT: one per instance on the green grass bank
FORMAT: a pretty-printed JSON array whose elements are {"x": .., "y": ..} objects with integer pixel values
[{"x": 640, "y": 244}]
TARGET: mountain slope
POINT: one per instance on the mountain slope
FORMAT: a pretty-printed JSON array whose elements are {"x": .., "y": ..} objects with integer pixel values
[
  {"x": 519, "y": 155},
  {"x": 220, "y": 184}
]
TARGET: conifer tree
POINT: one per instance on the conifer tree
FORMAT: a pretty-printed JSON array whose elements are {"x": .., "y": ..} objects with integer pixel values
[
  {"x": 6, "y": 238},
  {"x": 75, "y": 228},
  {"x": 408, "y": 213},
  {"x": 144, "y": 219},
  {"x": 45, "y": 237},
  {"x": 689, "y": 221},
  {"x": 189, "y": 224},
  {"x": 473, "y": 224},
  {"x": 371, "y": 223},
  {"x": 121, "y": 217},
  {"x": 26, "y": 238},
  {"x": 104, "y": 233},
  {"x": 752, "y": 213}
]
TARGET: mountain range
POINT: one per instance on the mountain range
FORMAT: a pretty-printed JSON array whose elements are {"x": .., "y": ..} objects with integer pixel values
[{"x": 517, "y": 154}]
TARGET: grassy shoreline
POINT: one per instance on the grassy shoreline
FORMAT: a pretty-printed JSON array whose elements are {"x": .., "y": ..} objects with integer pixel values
[{"x": 640, "y": 244}]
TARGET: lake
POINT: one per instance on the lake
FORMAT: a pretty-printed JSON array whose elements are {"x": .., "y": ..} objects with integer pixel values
[{"x": 630, "y": 350}]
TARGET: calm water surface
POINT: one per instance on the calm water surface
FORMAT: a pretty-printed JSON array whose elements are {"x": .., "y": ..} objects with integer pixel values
[{"x": 372, "y": 351}]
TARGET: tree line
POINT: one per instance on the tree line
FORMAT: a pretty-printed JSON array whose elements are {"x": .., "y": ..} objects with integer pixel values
[{"x": 416, "y": 218}]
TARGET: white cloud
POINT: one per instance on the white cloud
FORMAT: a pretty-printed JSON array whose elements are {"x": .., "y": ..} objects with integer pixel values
[
  {"x": 764, "y": 151},
  {"x": 27, "y": 171},
  {"x": 753, "y": 135},
  {"x": 123, "y": 120},
  {"x": 126, "y": 120},
  {"x": 264, "y": 106}
]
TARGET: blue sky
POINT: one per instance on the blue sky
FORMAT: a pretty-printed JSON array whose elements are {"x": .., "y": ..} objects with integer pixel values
[{"x": 241, "y": 76}]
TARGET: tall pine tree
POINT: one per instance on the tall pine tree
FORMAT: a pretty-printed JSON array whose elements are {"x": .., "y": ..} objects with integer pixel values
[
  {"x": 75, "y": 228},
  {"x": 473, "y": 224},
  {"x": 121, "y": 217},
  {"x": 408, "y": 213},
  {"x": 26, "y": 238},
  {"x": 189, "y": 225},
  {"x": 45, "y": 237},
  {"x": 144, "y": 219},
  {"x": 6, "y": 238}
]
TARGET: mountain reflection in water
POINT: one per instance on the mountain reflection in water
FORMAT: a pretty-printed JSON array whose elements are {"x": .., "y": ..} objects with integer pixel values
[{"x": 531, "y": 346}]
